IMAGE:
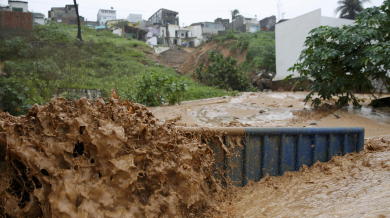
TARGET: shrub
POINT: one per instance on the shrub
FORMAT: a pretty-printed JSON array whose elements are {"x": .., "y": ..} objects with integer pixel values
[{"x": 222, "y": 73}]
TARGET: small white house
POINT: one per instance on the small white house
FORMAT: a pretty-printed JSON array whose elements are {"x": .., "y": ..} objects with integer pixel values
[
  {"x": 290, "y": 37},
  {"x": 105, "y": 15},
  {"x": 18, "y": 6}
]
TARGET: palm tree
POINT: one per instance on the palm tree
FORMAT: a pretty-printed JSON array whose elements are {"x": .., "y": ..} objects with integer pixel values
[
  {"x": 235, "y": 14},
  {"x": 350, "y": 8}
]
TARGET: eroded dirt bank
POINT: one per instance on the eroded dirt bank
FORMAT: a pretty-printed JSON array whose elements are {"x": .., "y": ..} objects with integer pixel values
[
  {"x": 100, "y": 159},
  {"x": 356, "y": 185}
]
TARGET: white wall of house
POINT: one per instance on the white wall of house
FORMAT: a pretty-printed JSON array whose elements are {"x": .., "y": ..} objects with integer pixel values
[
  {"x": 16, "y": 4},
  {"x": 39, "y": 20},
  {"x": 117, "y": 32},
  {"x": 152, "y": 41},
  {"x": 104, "y": 15},
  {"x": 172, "y": 30},
  {"x": 291, "y": 35}
]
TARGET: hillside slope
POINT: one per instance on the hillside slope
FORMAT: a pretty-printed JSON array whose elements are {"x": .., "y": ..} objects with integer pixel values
[{"x": 201, "y": 55}]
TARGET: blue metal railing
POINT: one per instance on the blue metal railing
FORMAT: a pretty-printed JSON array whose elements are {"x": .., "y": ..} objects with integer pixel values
[{"x": 274, "y": 151}]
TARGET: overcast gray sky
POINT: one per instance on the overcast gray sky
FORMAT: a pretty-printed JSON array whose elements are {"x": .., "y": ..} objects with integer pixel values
[{"x": 197, "y": 11}]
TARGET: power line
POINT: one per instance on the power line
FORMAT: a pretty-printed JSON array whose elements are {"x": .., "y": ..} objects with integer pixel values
[{"x": 131, "y": 10}]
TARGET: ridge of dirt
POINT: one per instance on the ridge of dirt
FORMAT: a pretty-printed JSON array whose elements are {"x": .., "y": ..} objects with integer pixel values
[
  {"x": 101, "y": 159},
  {"x": 201, "y": 54}
]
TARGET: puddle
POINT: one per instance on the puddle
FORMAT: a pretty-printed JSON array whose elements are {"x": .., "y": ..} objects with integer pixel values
[{"x": 370, "y": 113}]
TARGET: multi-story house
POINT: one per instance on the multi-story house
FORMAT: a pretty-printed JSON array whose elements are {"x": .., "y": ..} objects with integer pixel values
[
  {"x": 105, "y": 15},
  {"x": 164, "y": 17},
  {"x": 244, "y": 24},
  {"x": 268, "y": 22},
  {"x": 64, "y": 15}
]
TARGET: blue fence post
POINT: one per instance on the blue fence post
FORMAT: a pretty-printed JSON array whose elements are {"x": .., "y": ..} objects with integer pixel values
[{"x": 360, "y": 142}]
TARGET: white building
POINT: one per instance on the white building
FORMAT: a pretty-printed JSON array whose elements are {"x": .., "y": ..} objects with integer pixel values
[
  {"x": 134, "y": 18},
  {"x": 39, "y": 18},
  {"x": 18, "y": 6},
  {"x": 105, "y": 15},
  {"x": 291, "y": 35}
]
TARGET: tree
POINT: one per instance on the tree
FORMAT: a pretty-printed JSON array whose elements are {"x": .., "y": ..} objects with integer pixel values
[
  {"x": 350, "y": 8},
  {"x": 343, "y": 60},
  {"x": 78, "y": 20},
  {"x": 234, "y": 14}
]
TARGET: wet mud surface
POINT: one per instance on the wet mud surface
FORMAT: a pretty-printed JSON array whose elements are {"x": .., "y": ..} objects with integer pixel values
[
  {"x": 103, "y": 159},
  {"x": 356, "y": 185},
  {"x": 276, "y": 109}
]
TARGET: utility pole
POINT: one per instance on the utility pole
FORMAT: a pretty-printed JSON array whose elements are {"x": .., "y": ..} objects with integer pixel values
[
  {"x": 78, "y": 21},
  {"x": 280, "y": 10}
]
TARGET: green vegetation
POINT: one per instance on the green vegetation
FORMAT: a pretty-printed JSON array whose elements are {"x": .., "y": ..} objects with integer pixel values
[
  {"x": 223, "y": 73},
  {"x": 55, "y": 59},
  {"x": 260, "y": 48},
  {"x": 342, "y": 60}
]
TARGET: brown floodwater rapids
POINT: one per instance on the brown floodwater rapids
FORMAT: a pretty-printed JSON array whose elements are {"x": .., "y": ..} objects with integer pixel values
[
  {"x": 114, "y": 158},
  {"x": 103, "y": 159},
  {"x": 355, "y": 185}
]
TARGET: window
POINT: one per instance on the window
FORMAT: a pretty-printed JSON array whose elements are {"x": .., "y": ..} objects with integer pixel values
[
  {"x": 59, "y": 20},
  {"x": 17, "y": 9},
  {"x": 182, "y": 35}
]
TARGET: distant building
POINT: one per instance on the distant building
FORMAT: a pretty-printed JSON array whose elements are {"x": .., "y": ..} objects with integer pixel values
[
  {"x": 65, "y": 14},
  {"x": 268, "y": 23},
  {"x": 165, "y": 17},
  {"x": 18, "y": 6},
  {"x": 209, "y": 29},
  {"x": 5, "y": 8},
  {"x": 244, "y": 24},
  {"x": 224, "y": 22},
  {"x": 134, "y": 18},
  {"x": 91, "y": 23},
  {"x": 290, "y": 37},
  {"x": 105, "y": 15},
  {"x": 39, "y": 18}
]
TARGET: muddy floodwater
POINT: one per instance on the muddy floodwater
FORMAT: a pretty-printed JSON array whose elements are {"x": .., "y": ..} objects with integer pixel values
[
  {"x": 356, "y": 185},
  {"x": 121, "y": 159},
  {"x": 276, "y": 109}
]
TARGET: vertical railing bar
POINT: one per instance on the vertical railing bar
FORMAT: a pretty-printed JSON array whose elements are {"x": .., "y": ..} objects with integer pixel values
[
  {"x": 315, "y": 150},
  {"x": 243, "y": 142},
  {"x": 282, "y": 153},
  {"x": 360, "y": 142},
  {"x": 227, "y": 161},
  {"x": 345, "y": 144},
  {"x": 330, "y": 150},
  {"x": 265, "y": 138},
  {"x": 298, "y": 162},
  {"x": 245, "y": 165}
]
